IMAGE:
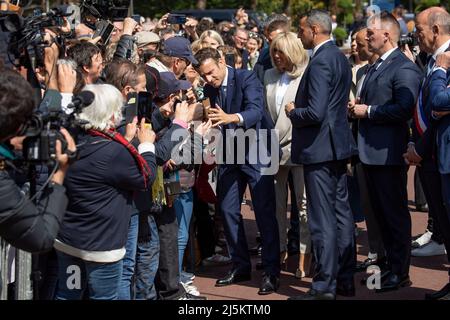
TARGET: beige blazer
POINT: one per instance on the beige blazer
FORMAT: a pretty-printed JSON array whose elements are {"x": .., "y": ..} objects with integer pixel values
[{"x": 283, "y": 124}]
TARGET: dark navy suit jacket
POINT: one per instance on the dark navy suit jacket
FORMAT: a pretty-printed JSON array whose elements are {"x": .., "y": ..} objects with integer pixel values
[
  {"x": 320, "y": 128},
  {"x": 392, "y": 92},
  {"x": 244, "y": 95},
  {"x": 440, "y": 91}
]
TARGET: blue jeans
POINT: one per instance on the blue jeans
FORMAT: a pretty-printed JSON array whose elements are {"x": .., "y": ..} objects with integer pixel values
[
  {"x": 129, "y": 261},
  {"x": 76, "y": 275},
  {"x": 183, "y": 208},
  {"x": 147, "y": 262}
]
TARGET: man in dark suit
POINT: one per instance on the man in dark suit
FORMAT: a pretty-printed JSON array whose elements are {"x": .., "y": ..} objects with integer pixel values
[
  {"x": 432, "y": 124},
  {"x": 434, "y": 38},
  {"x": 237, "y": 98},
  {"x": 440, "y": 90},
  {"x": 384, "y": 107},
  {"x": 323, "y": 143}
]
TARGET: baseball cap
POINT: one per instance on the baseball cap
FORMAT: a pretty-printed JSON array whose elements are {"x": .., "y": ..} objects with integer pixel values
[
  {"x": 145, "y": 37},
  {"x": 179, "y": 47},
  {"x": 168, "y": 84}
]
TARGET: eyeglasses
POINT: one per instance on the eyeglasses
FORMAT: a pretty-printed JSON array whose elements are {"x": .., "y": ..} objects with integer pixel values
[{"x": 242, "y": 39}]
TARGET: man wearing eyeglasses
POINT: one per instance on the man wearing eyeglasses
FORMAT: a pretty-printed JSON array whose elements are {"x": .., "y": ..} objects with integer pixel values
[{"x": 240, "y": 39}]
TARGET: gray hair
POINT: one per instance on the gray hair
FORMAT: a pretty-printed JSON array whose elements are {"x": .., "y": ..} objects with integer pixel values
[
  {"x": 321, "y": 18},
  {"x": 106, "y": 107},
  {"x": 440, "y": 18}
]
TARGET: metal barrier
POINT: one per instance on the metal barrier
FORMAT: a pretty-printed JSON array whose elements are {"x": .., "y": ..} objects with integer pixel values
[{"x": 22, "y": 273}]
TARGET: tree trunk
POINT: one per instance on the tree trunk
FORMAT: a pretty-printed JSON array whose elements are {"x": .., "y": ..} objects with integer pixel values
[
  {"x": 254, "y": 4},
  {"x": 358, "y": 6},
  {"x": 287, "y": 7},
  {"x": 201, "y": 4},
  {"x": 333, "y": 7}
]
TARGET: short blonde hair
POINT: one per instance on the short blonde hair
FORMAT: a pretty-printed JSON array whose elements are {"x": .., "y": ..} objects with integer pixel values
[
  {"x": 211, "y": 34},
  {"x": 106, "y": 106},
  {"x": 291, "y": 46}
]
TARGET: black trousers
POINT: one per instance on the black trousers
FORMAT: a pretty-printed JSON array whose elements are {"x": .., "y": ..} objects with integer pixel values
[
  {"x": 389, "y": 199},
  {"x": 167, "y": 278},
  {"x": 331, "y": 224},
  {"x": 431, "y": 185}
]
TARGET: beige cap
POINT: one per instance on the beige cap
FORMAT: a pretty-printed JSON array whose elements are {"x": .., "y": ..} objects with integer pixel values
[{"x": 145, "y": 37}]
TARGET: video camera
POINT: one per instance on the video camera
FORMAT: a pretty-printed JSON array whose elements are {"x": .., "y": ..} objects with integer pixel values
[
  {"x": 409, "y": 39},
  {"x": 43, "y": 130},
  {"x": 27, "y": 42}
]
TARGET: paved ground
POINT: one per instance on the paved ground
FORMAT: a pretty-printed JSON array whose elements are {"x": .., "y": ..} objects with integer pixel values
[{"x": 427, "y": 274}]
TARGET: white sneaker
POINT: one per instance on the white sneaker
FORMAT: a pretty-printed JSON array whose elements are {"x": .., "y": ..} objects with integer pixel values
[
  {"x": 190, "y": 289},
  {"x": 422, "y": 240},
  {"x": 430, "y": 249}
]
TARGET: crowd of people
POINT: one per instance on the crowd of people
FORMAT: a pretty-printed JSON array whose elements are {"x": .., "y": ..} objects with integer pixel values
[{"x": 347, "y": 127}]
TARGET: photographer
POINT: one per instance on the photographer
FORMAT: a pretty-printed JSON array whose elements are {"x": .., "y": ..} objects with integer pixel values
[{"x": 25, "y": 225}]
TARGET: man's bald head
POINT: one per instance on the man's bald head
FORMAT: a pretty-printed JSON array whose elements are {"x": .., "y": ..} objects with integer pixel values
[{"x": 432, "y": 28}]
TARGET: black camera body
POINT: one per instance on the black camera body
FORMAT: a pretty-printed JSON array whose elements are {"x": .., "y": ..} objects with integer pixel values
[
  {"x": 409, "y": 39},
  {"x": 27, "y": 36},
  {"x": 43, "y": 130},
  {"x": 114, "y": 10}
]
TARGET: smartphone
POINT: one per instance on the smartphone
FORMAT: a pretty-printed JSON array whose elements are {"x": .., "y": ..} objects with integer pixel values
[
  {"x": 176, "y": 19},
  {"x": 104, "y": 28},
  {"x": 144, "y": 106},
  {"x": 136, "y": 18},
  {"x": 140, "y": 105}
]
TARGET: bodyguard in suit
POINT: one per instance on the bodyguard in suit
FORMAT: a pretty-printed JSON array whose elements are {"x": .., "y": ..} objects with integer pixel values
[
  {"x": 323, "y": 143},
  {"x": 237, "y": 98},
  {"x": 281, "y": 85},
  {"x": 384, "y": 107}
]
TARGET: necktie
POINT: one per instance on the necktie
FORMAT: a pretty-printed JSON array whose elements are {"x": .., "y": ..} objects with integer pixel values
[{"x": 369, "y": 73}]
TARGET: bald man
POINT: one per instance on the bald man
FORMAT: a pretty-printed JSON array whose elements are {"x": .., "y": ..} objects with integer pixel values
[{"x": 433, "y": 32}]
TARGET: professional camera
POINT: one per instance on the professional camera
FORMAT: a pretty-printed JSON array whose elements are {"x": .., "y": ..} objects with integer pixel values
[
  {"x": 43, "y": 130},
  {"x": 27, "y": 42},
  {"x": 409, "y": 39}
]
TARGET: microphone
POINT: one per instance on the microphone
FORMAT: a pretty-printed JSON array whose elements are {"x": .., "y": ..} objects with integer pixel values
[{"x": 83, "y": 99}]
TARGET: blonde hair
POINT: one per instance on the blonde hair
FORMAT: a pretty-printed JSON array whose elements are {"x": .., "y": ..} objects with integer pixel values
[
  {"x": 291, "y": 46},
  {"x": 211, "y": 34},
  {"x": 106, "y": 107},
  {"x": 196, "y": 46}
]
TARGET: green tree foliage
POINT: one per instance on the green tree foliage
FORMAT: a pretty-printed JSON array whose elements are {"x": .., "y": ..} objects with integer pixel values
[{"x": 424, "y": 4}]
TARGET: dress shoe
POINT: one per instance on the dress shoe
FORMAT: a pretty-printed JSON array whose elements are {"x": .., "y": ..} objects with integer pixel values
[
  {"x": 269, "y": 284},
  {"x": 345, "y": 290},
  {"x": 234, "y": 276},
  {"x": 394, "y": 282},
  {"x": 362, "y": 266},
  {"x": 432, "y": 248},
  {"x": 445, "y": 291},
  {"x": 314, "y": 295}
]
